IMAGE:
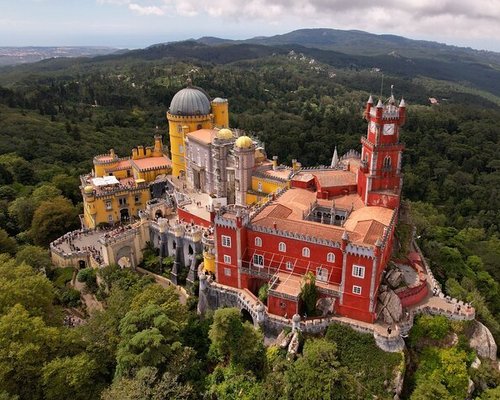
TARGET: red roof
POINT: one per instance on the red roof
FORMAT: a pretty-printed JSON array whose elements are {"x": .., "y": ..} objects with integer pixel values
[{"x": 151, "y": 163}]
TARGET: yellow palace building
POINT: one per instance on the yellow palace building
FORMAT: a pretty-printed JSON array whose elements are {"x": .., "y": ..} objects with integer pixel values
[{"x": 119, "y": 187}]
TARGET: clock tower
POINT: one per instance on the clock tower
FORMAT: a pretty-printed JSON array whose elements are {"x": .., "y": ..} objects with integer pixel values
[{"x": 379, "y": 176}]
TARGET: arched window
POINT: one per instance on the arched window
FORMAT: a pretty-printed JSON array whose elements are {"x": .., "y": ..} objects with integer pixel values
[
  {"x": 258, "y": 242},
  {"x": 282, "y": 247},
  {"x": 330, "y": 257},
  {"x": 306, "y": 252},
  {"x": 387, "y": 162}
]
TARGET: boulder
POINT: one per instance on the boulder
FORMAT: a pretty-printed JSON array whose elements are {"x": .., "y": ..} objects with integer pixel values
[
  {"x": 390, "y": 304},
  {"x": 286, "y": 340},
  {"x": 483, "y": 342},
  {"x": 325, "y": 305},
  {"x": 394, "y": 278}
]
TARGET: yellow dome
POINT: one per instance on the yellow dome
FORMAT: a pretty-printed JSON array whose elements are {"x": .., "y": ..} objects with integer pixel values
[
  {"x": 244, "y": 142},
  {"x": 225, "y": 134},
  {"x": 88, "y": 189}
]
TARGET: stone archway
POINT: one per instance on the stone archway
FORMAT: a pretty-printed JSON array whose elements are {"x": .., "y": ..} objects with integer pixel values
[
  {"x": 125, "y": 257},
  {"x": 246, "y": 316}
]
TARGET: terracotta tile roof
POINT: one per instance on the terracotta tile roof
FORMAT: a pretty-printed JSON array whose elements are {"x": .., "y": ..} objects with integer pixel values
[
  {"x": 332, "y": 178},
  {"x": 204, "y": 136},
  {"x": 303, "y": 177},
  {"x": 279, "y": 173},
  {"x": 370, "y": 231},
  {"x": 149, "y": 163},
  {"x": 122, "y": 164},
  {"x": 309, "y": 228},
  {"x": 364, "y": 224},
  {"x": 379, "y": 214},
  {"x": 280, "y": 211}
]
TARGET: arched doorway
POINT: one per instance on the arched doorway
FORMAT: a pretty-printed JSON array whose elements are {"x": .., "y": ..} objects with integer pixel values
[
  {"x": 246, "y": 316},
  {"x": 124, "y": 257},
  {"x": 158, "y": 214},
  {"x": 124, "y": 215}
]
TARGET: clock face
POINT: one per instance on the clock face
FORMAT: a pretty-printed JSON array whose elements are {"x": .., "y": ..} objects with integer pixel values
[
  {"x": 373, "y": 127},
  {"x": 389, "y": 129}
]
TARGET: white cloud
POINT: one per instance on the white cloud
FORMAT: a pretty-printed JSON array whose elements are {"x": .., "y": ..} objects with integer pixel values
[
  {"x": 442, "y": 19},
  {"x": 146, "y": 10}
]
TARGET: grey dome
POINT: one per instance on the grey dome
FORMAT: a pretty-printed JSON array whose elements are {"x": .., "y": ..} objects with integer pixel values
[{"x": 190, "y": 101}]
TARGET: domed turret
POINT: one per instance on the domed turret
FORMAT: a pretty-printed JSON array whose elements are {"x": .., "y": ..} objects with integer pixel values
[
  {"x": 190, "y": 101},
  {"x": 225, "y": 134},
  {"x": 244, "y": 142},
  {"x": 88, "y": 189}
]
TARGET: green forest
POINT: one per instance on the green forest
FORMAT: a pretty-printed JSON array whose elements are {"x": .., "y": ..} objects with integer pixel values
[{"x": 57, "y": 114}]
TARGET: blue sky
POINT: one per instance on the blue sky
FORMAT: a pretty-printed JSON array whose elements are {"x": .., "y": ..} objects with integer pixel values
[{"x": 139, "y": 23}]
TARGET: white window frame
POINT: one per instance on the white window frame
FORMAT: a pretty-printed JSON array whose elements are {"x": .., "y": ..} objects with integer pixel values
[
  {"x": 258, "y": 260},
  {"x": 282, "y": 247},
  {"x": 357, "y": 289},
  {"x": 227, "y": 271},
  {"x": 330, "y": 257},
  {"x": 258, "y": 242},
  {"x": 358, "y": 271},
  {"x": 306, "y": 252},
  {"x": 322, "y": 274},
  {"x": 226, "y": 241},
  {"x": 259, "y": 186},
  {"x": 289, "y": 266},
  {"x": 227, "y": 259}
]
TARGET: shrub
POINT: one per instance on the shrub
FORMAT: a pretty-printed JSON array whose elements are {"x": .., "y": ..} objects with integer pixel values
[
  {"x": 69, "y": 297},
  {"x": 309, "y": 294},
  {"x": 88, "y": 276},
  {"x": 262, "y": 295},
  {"x": 432, "y": 327}
]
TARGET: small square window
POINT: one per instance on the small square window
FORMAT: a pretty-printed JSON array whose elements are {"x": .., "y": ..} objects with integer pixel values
[
  {"x": 258, "y": 260},
  {"x": 227, "y": 259},
  {"x": 356, "y": 289},
  {"x": 289, "y": 266},
  {"x": 227, "y": 271},
  {"x": 226, "y": 241},
  {"x": 358, "y": 271}
]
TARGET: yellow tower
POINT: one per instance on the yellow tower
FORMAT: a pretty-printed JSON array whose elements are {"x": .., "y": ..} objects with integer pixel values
[
  {"x": 189, "y": 111},
  {"x": 220, "y": 110}
]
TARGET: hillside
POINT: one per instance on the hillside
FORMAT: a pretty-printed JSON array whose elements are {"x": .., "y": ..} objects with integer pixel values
[
  {"x": 301, "y": 102},
  {"x": 469, "y": 71},
  {"x": 359, "y": 42}
]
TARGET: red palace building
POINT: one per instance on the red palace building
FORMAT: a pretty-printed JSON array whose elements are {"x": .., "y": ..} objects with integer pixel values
[{"x": 336, "y": 222}]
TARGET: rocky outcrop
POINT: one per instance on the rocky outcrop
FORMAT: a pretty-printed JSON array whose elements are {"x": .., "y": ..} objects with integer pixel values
[
  {"x": 394, "y": 278},
  {"x": 325, "y": 305},
  {"x": 389, "y": 306},
  {"x": 293, "y": 347},
  {"x": 285, "y": 339},
  {"x": 483, "y": 342}
]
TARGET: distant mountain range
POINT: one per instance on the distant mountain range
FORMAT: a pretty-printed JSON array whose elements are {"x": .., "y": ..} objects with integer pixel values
[
  {"x": 364, "y": 43},
  {"x": 22, "y": 55},
  {"x": 472, "y": 71}
]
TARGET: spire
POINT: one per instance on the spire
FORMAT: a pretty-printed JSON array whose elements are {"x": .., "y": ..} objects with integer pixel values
[
  {"x": 370, "y": 100},
  {"x": 402, "y": 104},
  {"x": 335, "y": 158},
  {"x": 379, "y": 104},
  {"x": 392, "y": 100}
]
